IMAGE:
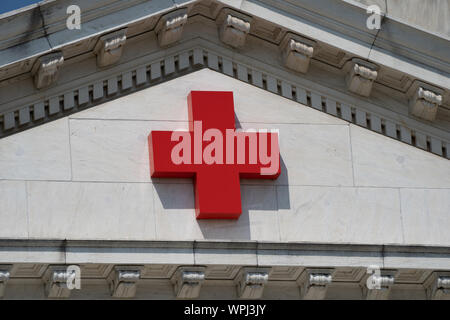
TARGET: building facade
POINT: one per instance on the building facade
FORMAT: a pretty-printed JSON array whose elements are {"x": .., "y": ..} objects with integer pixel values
[{"x": 361, "y": 206}]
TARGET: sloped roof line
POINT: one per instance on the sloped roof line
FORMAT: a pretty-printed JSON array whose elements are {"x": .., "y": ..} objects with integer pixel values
[
  {"x": 190, "y": 57},
  {"x": 42, "y": 29}
]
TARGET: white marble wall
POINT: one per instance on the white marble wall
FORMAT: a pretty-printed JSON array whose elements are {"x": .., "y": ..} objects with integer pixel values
[{"x": 87, "y": 177}]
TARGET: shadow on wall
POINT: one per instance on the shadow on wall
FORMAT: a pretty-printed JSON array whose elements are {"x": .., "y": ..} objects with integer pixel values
[{"x": 257, "y": 196}]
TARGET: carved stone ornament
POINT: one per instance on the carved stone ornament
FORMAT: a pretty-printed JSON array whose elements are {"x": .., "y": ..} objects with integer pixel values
[
  {"x": 314, "y": 283},
  {"x": 109, "y": 47},
  {"x": 297, "y": 52},
  {"x": 425, "y": 103},
  {"x": 188, "y": 281},
  {"x": 170, "y": 27},
  {"x": 45, "y": 70},
  {"x": 361, "y": 76},
  {"x": 234, "y": 31},
  {"x": 123, "y": 281},
  {"x": 250, "y": 282},
  {"x": 56, "y": 279},
  {"x": 438, "y": 286},
  {"x": 4, "y": 277}
]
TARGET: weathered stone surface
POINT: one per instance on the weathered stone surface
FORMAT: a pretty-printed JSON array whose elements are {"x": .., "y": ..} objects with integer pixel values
[
  {"x": 42, "y": 153},
  {"x": 382, "y": 162},
  {"x": 71, "y": 210},
  {"x": 425, "y": 215},
  {"x": 13, "y": 212},
  {"x": 339, "y": 214}
]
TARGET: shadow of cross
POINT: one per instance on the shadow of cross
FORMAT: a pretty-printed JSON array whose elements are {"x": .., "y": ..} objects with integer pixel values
[{"x": 218, "y": 164}]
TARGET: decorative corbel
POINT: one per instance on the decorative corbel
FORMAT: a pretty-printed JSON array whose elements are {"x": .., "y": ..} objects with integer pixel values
[
  {"x": 234, "y": 27},
  {"x": 109, "y": 47},
  {"x": 45, "y": 69},
  {"x": 424, "y": 100},
  {"x": 187, "y": 282},
  {"x": 361, "y": 76},
  {"x": 170, "y": 27},
  {"x": 378, "y": 285},
  {"x": 314, "y": 283},
  {"x": 55, "y": 279},
  {"x": 438, "y": 286},
  {"x": 297, "y": 52},
  {"x": 250, "y": 282},
  {"x": 4, "y": 277},
  {"x": 123, "y": 281}
]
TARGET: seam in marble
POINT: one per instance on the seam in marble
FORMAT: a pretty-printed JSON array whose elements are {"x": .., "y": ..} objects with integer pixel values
[
  {"x": 70, "y": 150},
  {"x": 351, "y": 153},
  {"x": 242, "y": 183}
]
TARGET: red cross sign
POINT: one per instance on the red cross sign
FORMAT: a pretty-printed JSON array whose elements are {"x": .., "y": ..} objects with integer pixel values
[{"x": 215, "y": 154}]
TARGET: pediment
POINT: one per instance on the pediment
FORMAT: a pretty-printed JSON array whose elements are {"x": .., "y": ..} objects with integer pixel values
[
  {"x": 84, "y": 75},
  {"x": 108, "y": 85}
]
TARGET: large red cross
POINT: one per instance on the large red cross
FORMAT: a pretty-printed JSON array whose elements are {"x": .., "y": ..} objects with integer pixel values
[{"x": 217, "y": 186}]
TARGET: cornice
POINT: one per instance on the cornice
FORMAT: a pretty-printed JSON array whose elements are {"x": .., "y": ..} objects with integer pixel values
[
  {"x": 258, "y": 62},
  {"x": 341, "y": 24}
]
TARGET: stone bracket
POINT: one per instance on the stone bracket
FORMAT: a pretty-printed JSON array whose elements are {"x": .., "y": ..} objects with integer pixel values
[
  {"x": 123, "y": 281},
  {"x": 361, "y": 76},
  {"x": 438, "y": 286},
  {"x": 234, "y": 27},
  {"x": 55, "y": 279},
  {"x": 424, "y": 100},
  {"x": 250, "y": 282},
  {"x": 45, "y": 69},
  {"x": 378, "y": 286},
  {"x": 109, "y": 47},
  {"x": 4, "y": 277},
  {"x": 297, "y": 52},
  {"x": 314, "y": 283},
  {"x": 170, "y": 27},
  {"x": 187, "y": 282}
]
